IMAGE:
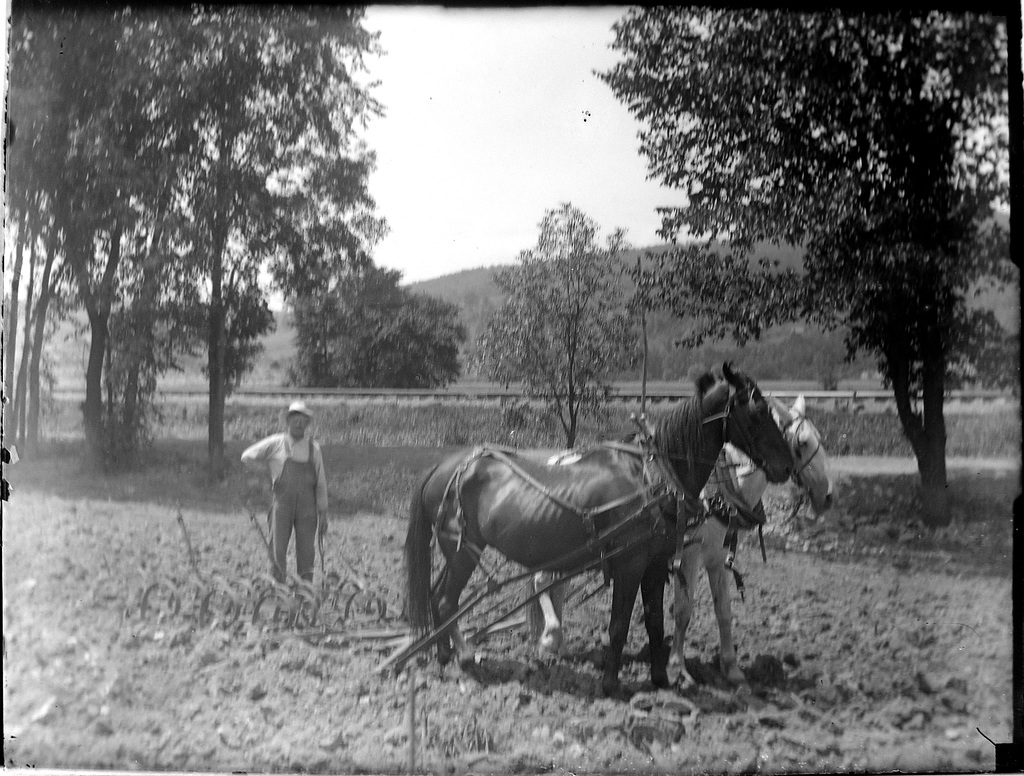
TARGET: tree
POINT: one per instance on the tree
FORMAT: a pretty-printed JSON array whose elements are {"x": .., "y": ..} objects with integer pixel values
[
  {"x": 368, "y": 331},
  {"x": 876, "y": 143},
  {"x": 562, "y": 329},
  {"x": 70, "y": 171},
  {"x": 416, "y": 348},
  {"x": 267, "y": 103}
]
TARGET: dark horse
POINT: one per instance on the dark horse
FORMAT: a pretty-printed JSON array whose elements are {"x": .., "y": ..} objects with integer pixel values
[{"x": 615, "y": 506}]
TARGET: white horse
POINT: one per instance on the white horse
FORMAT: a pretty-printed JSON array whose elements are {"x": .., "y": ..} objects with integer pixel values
[{"x": 731, "y": 502}]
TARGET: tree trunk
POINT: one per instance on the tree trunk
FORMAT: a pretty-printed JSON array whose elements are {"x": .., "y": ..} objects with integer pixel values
[
  {"x": 20, "y": 398},
  {"x": 11, "y": 329},
  {"x": 19, "y": 391},
  {"x": 931, "y": 447},
  {"x": 92, "y": 407},
  {"x": 215, "y": 364},
  {"x": 926, "y": 431},
  {"x": 98, "y": 307},
  {"x": 45, "y": 294}
]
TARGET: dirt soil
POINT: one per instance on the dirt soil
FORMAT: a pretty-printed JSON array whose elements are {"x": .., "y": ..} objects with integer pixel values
[{"x": 869, "y": 644}]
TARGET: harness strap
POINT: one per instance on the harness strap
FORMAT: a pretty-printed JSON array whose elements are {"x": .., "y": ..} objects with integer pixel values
[
  {"x": 587, "y": 515},
  {"x": 748, "y": 517},
  {"x": 739, "y": 583},
  {"x": 501, "y": 455},
  {"x": 731, "y": 540}
]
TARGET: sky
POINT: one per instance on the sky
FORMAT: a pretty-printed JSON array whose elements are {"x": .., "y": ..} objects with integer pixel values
[{"x": 494, "y": 116}]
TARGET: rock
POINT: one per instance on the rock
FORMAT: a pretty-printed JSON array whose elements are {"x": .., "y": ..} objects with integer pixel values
[
  {"x": 208, "y": 657},
  {"x": 925, "y": 683},
  {"x": 916, "y": 722},
  {"x": 957, "y": 684},
  {"x": 904, "y": 714},
  {"x": 954, "y": 702},
  {"x": 791, "y": 660}
]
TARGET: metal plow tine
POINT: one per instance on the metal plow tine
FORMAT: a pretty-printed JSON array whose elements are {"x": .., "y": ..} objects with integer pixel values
[{"x": 400, "y": 658}]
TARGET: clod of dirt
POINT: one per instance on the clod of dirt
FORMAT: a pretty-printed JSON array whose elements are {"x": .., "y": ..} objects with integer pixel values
[{"x": 767, "y": 670}]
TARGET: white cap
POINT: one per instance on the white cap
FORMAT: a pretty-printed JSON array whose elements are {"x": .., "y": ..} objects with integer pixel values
[{"x": 301, "y": 408}]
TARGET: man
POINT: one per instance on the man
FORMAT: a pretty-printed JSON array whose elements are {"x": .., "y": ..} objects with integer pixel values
[{"x": 297, "y": 478}]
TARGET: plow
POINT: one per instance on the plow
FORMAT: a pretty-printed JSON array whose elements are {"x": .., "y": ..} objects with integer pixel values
[
  {"x": 341, "y": 607},
  {"x": 342, "y": 603}
]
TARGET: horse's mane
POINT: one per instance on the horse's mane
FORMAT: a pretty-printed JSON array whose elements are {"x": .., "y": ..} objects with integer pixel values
[{"x": 679, "y": 434}]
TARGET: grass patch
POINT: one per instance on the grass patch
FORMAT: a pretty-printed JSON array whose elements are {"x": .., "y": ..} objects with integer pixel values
[
  {"x": 173, "y": 472},
  {"x": 389, "y": 423}
]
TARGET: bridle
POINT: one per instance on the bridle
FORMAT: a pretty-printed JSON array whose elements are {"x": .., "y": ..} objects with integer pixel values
[
  {"x": 760, "y": 462},
  {"x": 794, "y": 429}
]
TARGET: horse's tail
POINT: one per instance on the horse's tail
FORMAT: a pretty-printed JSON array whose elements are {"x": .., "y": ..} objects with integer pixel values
[{"x": 417, "y": 560}]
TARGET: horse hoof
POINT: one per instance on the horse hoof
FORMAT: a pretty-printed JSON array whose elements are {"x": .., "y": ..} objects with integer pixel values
[
  {"x": 550, "y": 645},
  {"x": 733, "y": 674},
  {"x": 684, "y": 681}
]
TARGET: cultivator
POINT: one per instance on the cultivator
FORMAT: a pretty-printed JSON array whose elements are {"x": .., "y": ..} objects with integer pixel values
[{"x": 340, "y": 604}]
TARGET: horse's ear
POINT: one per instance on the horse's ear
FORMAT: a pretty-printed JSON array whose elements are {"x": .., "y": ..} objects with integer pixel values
[
  {"x": 735, "y": 379},
  {"x": 704, "y": 383},
  {"x": 786, "y": 416},
  {"x": 799, "y": 408}
]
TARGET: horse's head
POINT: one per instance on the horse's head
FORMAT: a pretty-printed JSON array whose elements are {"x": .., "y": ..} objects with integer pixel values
[
  {"x": 752, "y": 428},
  {"x": 810, "y": 471}
]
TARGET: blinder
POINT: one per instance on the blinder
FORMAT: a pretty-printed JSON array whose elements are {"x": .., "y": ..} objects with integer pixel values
[
  {"x": 794, "y": 428},
  {"x": 751, "y": 399}
]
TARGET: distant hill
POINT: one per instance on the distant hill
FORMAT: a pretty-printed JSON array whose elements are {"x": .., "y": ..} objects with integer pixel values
[
  {"x": 791, "y": 351},
  {"x": 784, "y": 352}
]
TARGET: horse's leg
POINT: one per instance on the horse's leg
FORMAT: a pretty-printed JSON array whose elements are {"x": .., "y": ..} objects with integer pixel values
[
  {"x": 545, "y": 614},
  {"x": 719, "y": 579},
  {"x": 685, "y": 590},
  {"x": 625, "y": 581},
  {"x": 457, "y": 572},
  {"x": 652, "y": 588}
]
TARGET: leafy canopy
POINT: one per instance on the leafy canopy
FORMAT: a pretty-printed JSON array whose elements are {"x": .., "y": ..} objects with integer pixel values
[
  {"x": 563, "y": 330},
  {"x": 368, "y": 331},
  {"x": 876, "y": 142}
]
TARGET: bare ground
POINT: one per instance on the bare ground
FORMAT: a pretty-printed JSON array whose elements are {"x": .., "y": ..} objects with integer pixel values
[{"x": 869, "y": 643}]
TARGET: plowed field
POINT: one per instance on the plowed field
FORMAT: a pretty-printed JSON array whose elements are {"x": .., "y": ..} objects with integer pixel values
[{"x": 868, "y": 644}]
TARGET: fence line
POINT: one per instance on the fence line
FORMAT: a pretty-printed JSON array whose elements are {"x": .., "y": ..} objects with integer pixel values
[{"x": 484, "y": 392}]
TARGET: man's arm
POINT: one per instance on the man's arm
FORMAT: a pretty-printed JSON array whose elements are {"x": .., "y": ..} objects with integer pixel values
[{"x": 255, "y": 456}]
